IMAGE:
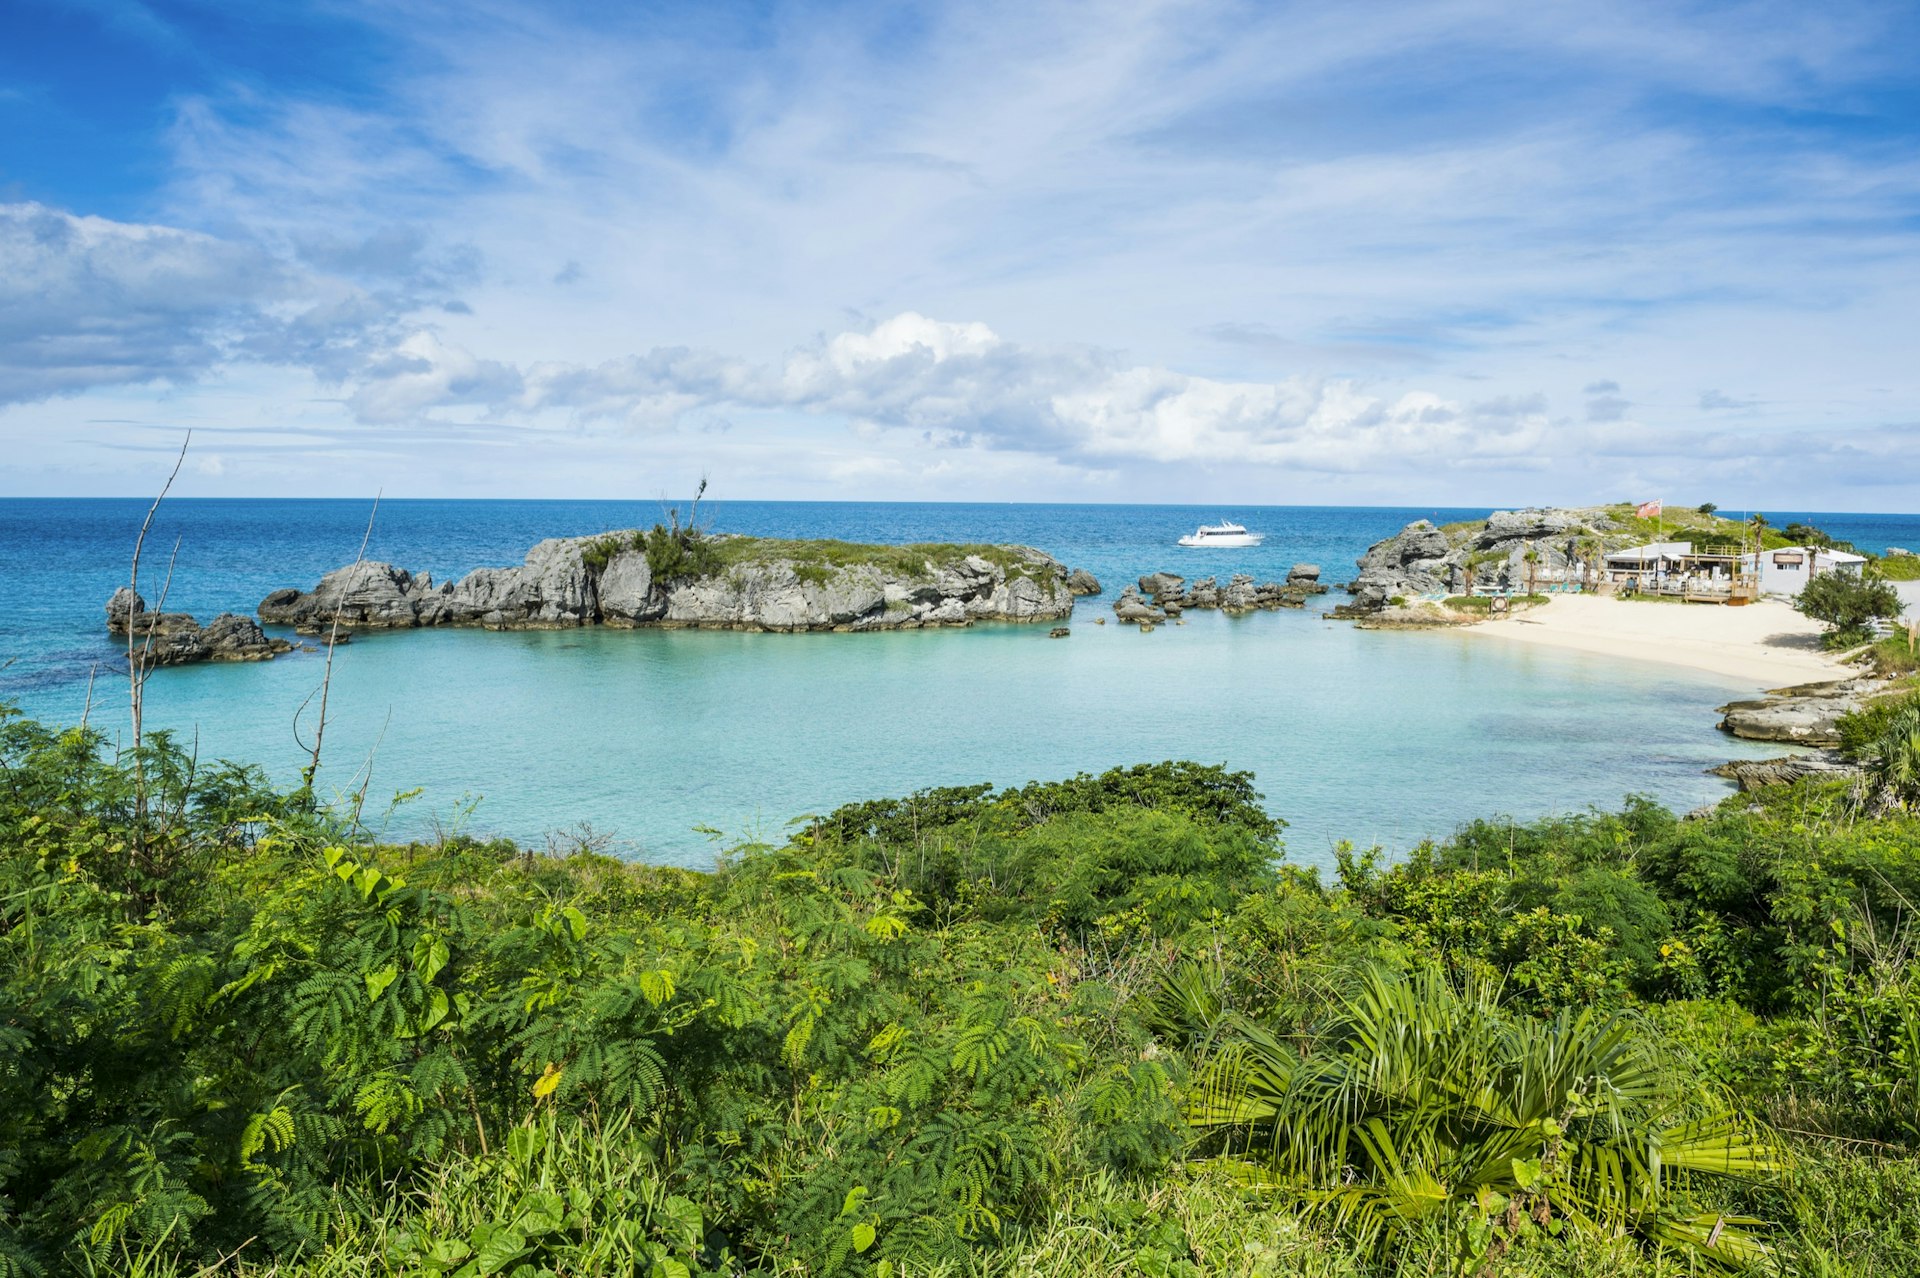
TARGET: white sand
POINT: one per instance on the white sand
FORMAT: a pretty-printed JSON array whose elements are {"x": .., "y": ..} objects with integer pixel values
[{"x": 1765, "y": 643}]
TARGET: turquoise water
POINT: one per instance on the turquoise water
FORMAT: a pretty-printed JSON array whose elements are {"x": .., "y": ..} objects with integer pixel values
[
  {"x": 1364, "y": 735},
  {"x": 648, "y": 735}
]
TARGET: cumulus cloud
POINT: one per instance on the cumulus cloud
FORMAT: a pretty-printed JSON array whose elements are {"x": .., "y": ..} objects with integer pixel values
[
  {"x": 86, "y": 302},
  {"x": 961, "y": 384}
]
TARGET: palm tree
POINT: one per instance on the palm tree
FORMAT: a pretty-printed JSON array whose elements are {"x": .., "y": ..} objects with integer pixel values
[
  {"x": 1892, "y": 777},
  {"x": 1428, "y": 1106}
]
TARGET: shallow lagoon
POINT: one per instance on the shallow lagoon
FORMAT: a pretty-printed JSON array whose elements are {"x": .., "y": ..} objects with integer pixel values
[{"x": 647, "y": 735}]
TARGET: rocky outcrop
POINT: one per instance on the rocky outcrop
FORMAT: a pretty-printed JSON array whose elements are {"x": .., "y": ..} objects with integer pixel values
[
  {"x": 1807, "y": 715},
  {"x": 176, "y": 639},
  {"x": 1131, "y": 607},
  {"x": 607, "y": 580},
  {"x": 1081, "y": 583},
  {"x": 1422, "y": 559},
  {"x": 1754, "y": 774},
  {"x": 1170, "y": 595}
]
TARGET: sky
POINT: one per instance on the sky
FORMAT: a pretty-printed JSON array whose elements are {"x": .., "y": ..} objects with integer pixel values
[{"x": 1459, "y": 252}]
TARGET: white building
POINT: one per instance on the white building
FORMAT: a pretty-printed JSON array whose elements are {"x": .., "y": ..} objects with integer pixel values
[
  {"x": 1787, "y": 571},
  {"x": 1642, "y": 565}
]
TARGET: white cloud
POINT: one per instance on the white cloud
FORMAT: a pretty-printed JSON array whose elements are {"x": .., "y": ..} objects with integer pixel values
[
  {"x": 1320, "y": 242},
  {"x": 85, "y": 301}
]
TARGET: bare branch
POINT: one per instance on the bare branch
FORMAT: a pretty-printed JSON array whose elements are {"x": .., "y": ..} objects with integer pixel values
[
  {"x": 333, "y": 638},
  {"x": 133, "y": 585}
]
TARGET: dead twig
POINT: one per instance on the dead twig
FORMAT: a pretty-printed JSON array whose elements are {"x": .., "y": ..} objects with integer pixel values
[
  {"x": 333, "y": 638},
  {"x": 136, "y": 663}
]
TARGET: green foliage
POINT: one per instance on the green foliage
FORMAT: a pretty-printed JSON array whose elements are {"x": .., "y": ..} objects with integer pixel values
[
  {"x": 961, "y": 1031},
  {"x": 819, "y": 560},
  {"x": 1807, "y": 535},
  {"x": 1898, "y": 568},
  {"x": 1860, "y": 729},
  {"x": 1426, "y": 1105},
  {"x": 1892, "y": 760},
  {"x": 1847, "y": 602},
  {"x": 1706, "y": 508}
]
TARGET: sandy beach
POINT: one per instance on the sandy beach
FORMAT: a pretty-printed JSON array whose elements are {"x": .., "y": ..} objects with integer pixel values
[{"x": 1767, "y": 643}]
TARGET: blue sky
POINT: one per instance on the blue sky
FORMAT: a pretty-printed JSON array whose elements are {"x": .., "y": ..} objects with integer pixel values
[{"x": 1464, "y": 253}]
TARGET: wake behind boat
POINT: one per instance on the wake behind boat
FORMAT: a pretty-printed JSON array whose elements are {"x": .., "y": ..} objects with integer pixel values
[{"x": 1224, "y": 535}]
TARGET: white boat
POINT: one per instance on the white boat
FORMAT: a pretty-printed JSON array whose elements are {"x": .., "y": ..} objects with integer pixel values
[{"x": 1224, "y": 535}]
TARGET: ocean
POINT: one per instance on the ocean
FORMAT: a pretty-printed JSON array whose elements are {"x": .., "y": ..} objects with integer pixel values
[{"x": 671, "y": 746}]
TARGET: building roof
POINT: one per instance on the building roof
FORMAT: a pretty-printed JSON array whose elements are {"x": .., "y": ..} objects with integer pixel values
[
  {"x": 1824, "y": 555},
  {"x": 1654, "y": 550}
]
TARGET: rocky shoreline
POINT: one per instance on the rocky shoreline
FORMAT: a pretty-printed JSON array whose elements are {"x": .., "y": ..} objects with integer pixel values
[
  {"x": 1807, "y": 715},
  {"x": 785, "y": 587}
]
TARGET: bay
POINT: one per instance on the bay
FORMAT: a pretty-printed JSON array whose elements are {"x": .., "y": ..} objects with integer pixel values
[{"x": 654, "y": 738}]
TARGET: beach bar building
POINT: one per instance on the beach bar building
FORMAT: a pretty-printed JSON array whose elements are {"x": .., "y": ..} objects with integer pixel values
[
  {"x": 1786, "y": 571},
  {"x": 1706, "y": 574}
]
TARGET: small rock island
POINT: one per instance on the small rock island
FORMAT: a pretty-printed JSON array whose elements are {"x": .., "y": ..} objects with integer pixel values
[
  {"x": 670, "y": 579},
  {"x": 176, "y": 639}
]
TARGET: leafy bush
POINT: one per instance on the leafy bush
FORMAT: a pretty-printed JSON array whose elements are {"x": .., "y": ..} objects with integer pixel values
[
  {"x": 960, "y": 1030},
  {"x": 1425, "y": 1105},
  {"x": 1847, "y": 603}
]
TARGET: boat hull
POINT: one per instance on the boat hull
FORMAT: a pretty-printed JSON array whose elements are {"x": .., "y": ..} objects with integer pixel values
[{"x": 1228, "y": 542}]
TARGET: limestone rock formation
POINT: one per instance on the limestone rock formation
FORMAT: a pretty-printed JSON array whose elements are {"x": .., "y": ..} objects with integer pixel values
[
  {"x": 1808, "y": 715},
  {"x": 176, "y": 639},
  {"x": 1753, "y": 774},
  {"x": 1170, "y": 594},
  {"x": 608, "y": 580},
  {"x": 1422, "y": 559}
]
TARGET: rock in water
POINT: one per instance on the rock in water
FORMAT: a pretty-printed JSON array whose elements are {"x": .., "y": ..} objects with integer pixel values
[
  {"x": 366, "y": 596},
  {"x": 176, "y": 639},
  {"x": 122, "y": 607},
  {"x": 780, "y": 586},
  {"x": 1082, "y": 583},
  {"x": 1131, "y": 607},
  {"x": 231, "y": 637},
  {"x": 1156, "y": 584}
]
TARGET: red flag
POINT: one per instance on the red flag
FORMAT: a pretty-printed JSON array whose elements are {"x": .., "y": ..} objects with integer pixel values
[{"x": 1648, "y": 510}]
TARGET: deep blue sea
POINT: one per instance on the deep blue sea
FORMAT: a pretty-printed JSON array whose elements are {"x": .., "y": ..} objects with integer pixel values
[{"x": 655, "y": 738}]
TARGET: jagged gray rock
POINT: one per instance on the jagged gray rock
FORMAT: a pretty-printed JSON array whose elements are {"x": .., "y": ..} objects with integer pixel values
[
  {"x": 176, "y": 639},
  {"x": 1156, "y": 584},
  {"x": 1753, "y": 774},
  {"x": 607, "y": 580},
  {"x": 1081, "y": 583},
  {"x": 1810, "y": 721},
  {"x": 1806, "y": 715},
  {"x": 1422, "y": 559},
  {"x": 1171, "y": 595},
  {"x": 1131, "y": 607}
]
